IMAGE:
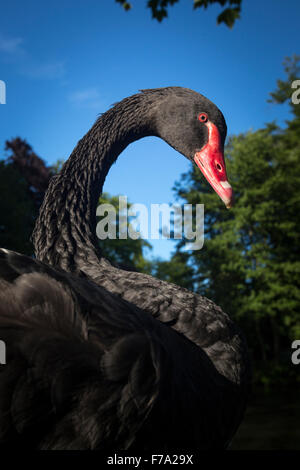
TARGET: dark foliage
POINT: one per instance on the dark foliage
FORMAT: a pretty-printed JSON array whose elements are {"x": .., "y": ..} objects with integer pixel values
[
  {"x": 160, "y": 8},
  {"x": 24, "y": 178}
]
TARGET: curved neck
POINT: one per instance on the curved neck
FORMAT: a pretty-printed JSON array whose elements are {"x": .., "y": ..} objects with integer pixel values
[{"x": 67, "y": 218}]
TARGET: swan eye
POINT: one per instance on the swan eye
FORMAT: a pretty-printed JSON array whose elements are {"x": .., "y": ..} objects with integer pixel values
[{"x": 203, "y": 117}]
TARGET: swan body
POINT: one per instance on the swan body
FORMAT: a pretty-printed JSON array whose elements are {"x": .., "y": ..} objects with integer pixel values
[{"x": 103, "y": 358}]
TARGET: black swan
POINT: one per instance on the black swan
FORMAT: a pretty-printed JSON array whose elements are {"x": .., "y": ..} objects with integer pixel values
[{"x": 103, "y": 358}]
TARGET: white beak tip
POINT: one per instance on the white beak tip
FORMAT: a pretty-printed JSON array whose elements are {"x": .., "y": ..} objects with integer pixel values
[{"x": 225, "y": 184}]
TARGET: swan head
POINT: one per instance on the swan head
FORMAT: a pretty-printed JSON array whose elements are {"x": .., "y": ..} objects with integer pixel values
[{"x": 195, "y": 127}]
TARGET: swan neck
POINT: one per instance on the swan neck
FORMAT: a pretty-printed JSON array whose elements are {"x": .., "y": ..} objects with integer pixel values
[{"x": 65, "y": 232}]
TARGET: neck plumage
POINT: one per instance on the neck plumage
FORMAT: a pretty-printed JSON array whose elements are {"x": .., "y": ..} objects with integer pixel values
[{"x": 64, "y": 234}]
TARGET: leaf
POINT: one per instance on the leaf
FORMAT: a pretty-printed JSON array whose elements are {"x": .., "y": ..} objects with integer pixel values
[
  {"x": 229, "y": 16},
  {"x": 126, "y": 5}
]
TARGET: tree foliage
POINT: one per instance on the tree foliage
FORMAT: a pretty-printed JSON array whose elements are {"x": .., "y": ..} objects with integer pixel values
[
  {"x": 24, "y": 177},
  {"x": 17, "y": 210},
  {"x": 134, "y": 254},
  {"x": 125, "y": 252},
  {"x": 249, "y": 263},
  {"x": 159, "y": 8}
]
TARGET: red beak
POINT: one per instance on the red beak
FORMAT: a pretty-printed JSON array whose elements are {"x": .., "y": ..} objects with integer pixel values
[{"x": 210, "y": 160}]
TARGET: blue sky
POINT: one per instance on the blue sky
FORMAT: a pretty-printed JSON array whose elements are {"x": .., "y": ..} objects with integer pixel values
[{"x": 64, "y": 64}]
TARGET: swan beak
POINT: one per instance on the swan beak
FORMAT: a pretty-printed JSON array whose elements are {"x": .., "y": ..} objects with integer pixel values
[{"x": 210, "y": 160}]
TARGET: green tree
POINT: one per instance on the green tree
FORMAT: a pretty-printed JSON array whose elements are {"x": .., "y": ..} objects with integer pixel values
[
  {"x": 249, "y": 263},
  {"x": 24, "y": 178},
  {"x": 125, "y": 252},
  {"x": 17, "y": 210},
  {"x": 160, "y": 8}
]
